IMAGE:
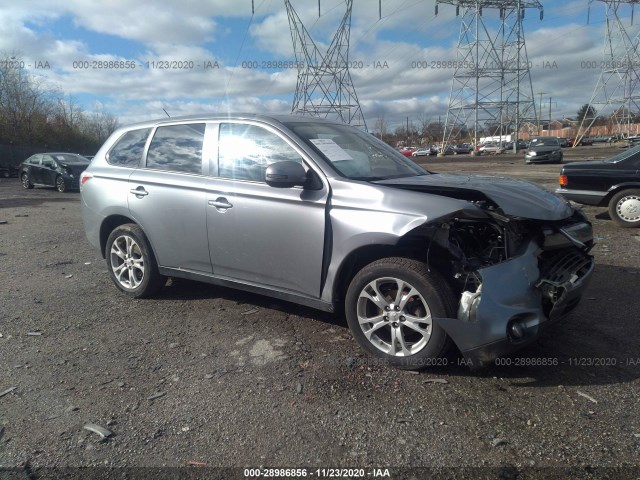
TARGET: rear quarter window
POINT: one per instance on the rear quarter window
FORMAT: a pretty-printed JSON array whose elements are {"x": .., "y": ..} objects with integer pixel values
[{"x": 127, "y": 152}]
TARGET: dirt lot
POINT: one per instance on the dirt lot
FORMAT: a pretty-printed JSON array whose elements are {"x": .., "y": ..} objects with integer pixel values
[{"x": 208, "y": 377}]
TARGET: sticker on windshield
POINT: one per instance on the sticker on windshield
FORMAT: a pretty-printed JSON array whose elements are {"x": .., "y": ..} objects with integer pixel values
[{"x": 331, "y": 149}]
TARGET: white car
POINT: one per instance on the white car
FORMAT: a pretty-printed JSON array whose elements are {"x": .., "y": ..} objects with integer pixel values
[{"x": 491, "y": 148}]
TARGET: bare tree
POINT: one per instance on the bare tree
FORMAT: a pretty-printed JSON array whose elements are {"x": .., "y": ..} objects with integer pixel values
[
  {"x": 69, "y": 114},
  {"x": 381, "y": 127},
  {"x": 100, "y": 125},
  {"x": 25, "y": 102}
]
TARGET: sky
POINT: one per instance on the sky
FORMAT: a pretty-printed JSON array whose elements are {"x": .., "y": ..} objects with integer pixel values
[{"x": 223, "y": 57}]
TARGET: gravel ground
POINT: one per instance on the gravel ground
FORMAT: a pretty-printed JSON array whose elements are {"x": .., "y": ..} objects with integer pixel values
[{"x": 209, "y": 377}]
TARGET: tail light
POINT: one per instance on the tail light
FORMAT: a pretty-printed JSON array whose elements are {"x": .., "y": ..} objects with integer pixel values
[
  {"x": 84, "y": 178},
  {"x": 564, "y": 181}
]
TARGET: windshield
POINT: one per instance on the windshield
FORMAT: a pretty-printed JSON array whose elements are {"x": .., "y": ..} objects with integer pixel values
[
  {"x": 67, "y": 158},
  {"x": 623, "y": 155},
  {"x": 355, "y": 154},
  {"x": 547, "y": 142}
]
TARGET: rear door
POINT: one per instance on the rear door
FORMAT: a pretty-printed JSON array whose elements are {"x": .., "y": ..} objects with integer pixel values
[
  {"x": 33, "y": 169},
  {"x": 261, "y": 235},
  {"x": 167, "y": 196}
]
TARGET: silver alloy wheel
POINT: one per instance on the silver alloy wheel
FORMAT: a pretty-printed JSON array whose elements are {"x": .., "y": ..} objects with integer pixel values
[
  {"x": 628, "y": 208},
  {"x": 60, "y": 186},
  {"x": 25, "y": 181},
  {"x": 127, "y": 262},
  {"x": 394, "y": 317}
]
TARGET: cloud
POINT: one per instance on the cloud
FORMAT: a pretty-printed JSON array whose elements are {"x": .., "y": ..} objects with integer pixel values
[{"x": 391, "y": 56}]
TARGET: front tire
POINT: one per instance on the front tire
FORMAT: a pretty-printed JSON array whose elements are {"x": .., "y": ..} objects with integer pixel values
[
  {"x": 26, "y": 181},
  {"x": 390, "y": 306},
  {"x": 132, "y": 264},
  {"x": 60, "y": 185},
  {"x": 624, "y": 208}
]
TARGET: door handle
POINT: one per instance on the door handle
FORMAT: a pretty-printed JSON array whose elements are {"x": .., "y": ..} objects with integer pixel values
[
  {"x": 139, "y": 192},
  {"x": 220, "y": 203}
]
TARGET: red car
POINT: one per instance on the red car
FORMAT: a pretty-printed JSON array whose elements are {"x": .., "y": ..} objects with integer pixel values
[{"x": 407, "y": 151}]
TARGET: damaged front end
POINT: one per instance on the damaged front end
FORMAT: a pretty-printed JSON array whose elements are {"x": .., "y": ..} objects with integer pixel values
[{"x": 513, "y": 277}]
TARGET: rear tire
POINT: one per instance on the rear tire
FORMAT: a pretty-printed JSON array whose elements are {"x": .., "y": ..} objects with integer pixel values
[
  {"x": 624, "y": 208},
  {"x": 132, "y": 264},
  {"x": 390, "y": 306}
]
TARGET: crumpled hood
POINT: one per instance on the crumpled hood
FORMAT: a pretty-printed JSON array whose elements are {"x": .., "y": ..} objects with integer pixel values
[{"x": 514, "y": 197}]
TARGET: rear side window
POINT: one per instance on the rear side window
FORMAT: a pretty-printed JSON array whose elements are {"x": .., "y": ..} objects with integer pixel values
[
  {"x": 127, "y": 152},
  {"x": 177, "y": 148}
]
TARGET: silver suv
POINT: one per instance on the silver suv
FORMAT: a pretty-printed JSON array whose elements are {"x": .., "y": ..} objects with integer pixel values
[{"x": 325, "y": 215}]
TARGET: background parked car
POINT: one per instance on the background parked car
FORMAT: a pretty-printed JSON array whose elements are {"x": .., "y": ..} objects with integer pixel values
[
  {"x": 407, "y": 151},
  {"x": 612, "y": 183},
  {"x": 8, "y": 171},
  {"x": 462, "y": 148},
  {"x": 60, "y": 170},
  {"x": 448, "y": 150},
  {"x": 633, "y": 141},
  {"x": 425, "y": 151},
  {"x": 584, "y": 141},
  {"x": 544, "y": 150},
  {"x": 491, "y": 148}
]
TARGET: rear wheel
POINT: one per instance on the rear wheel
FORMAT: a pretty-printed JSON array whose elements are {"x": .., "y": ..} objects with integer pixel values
[
  {"x": 390, "y": 307},
  {"x": 60, "y": 185},
  {"x": 131, "y": 262},
  {"x": 624, "y": 208},
  {"x": 26, "y": 181}
]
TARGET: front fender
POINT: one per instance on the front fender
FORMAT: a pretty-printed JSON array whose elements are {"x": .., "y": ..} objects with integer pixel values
[{"x": 362, "y": 215}]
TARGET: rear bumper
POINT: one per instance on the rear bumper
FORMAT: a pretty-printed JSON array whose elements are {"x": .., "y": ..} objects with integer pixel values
[{"x": 516, "y": 302}]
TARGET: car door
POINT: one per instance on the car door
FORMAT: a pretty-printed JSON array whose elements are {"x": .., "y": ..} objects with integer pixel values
[
  {"x": 167, "y": 196},
  {"x": 33, "y": 169},
  {"x": 48, "y": 170},
  {"x": 261, "y": 235}
]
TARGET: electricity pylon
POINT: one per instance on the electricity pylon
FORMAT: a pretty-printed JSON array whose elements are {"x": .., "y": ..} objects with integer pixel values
[
  {"x": 324, "y": 87},
  {"x": 616, "y": 92},
  {"x": 491, "y": 87}
]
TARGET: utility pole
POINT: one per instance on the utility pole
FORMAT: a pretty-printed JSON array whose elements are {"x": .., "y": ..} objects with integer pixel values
[
  {"x": 540, "y": 110},
  {"x": 549, "y": 127},
  {"x": 408, "y": 132}
]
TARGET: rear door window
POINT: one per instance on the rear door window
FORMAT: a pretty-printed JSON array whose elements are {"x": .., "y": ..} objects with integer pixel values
[
  {"x": 177, "y": 148},
  {"x": 127, "y": 152}
]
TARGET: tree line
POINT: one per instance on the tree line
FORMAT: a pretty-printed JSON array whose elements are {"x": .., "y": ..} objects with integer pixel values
[{"x": 35, "y": 113}]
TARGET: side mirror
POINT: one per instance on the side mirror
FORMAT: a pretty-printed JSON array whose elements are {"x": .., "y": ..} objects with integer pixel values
[{"x": 285, "y": 174}]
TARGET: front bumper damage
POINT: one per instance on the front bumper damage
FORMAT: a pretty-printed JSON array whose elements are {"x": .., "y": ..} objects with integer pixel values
[{"x": 516, "y": 300}]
